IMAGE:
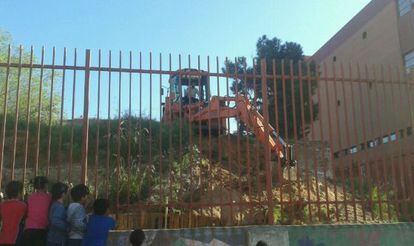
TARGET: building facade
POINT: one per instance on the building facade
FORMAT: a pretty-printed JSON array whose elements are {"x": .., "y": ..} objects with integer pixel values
[{"x": 363, "y": 96}]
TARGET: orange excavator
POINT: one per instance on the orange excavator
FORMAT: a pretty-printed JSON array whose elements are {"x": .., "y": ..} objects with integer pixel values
[{"x": 211, "y": 112}]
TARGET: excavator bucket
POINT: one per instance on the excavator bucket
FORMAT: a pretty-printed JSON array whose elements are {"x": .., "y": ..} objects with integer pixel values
[{"x": 289, "y": 155}]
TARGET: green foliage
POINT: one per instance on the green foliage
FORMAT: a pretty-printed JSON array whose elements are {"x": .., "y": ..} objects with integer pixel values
[
  {"x": 279, "y": 55},
  {"x": 387, "y": 210},
  {"x": 21, "y": 79}
]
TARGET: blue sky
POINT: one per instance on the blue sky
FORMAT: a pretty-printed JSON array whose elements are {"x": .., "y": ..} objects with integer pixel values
[
  {"x": 224, "y": 28},
  {"x": 199, "y": 27}
]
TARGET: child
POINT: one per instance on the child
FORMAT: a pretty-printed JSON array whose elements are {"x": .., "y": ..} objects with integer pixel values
[
  {"x": 76, "y": 214},
  {"x": 12, "y": 212},
  {"x": 137, "y": 237},
  {"x": 57, "y": 216},
  {"x": 38, "y": 203},
  {"x": 99, "y": 224}
]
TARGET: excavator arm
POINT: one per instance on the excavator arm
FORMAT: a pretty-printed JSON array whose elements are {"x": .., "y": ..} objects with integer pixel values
[{"x": 250, "y": 116}]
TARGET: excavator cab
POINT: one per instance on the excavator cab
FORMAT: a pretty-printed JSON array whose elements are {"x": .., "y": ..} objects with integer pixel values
[{"x": 187, "y": 86}]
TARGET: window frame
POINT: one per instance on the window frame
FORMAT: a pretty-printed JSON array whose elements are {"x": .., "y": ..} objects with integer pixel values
[{"x": 404, "y": 6}]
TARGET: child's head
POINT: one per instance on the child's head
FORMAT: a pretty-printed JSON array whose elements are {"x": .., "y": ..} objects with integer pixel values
[
  {"x": 40, "y": 183},
  {"x": 137, "y": 237},
  {"x": 261, "y": 243},
  {"x": 79, "y": 193},
  {"x": 14, "y": 189},
  {"x": 100, "y": 206},
  {"x": 59, "y": 190}
]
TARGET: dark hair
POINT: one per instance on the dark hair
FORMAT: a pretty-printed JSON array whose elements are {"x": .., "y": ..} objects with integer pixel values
[
  {"x": 39, "y": 182},
  {"x": 137, "y": 237},
  {"x": 261, "y": 243},
  {"x": 78, "y": 192},
  {"x": 58, "y": 189},
  {"x": 100, "y": 206},
  {"x": 13, "y": 189}
]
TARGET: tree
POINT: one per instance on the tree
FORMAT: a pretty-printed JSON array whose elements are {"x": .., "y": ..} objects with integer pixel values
[
  {"x": 5, "y": 41},
  {"x": 285, "y": 58}
]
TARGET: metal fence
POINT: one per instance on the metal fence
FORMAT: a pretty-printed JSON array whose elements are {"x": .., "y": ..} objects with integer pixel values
[{"x": 124, "y": 125}]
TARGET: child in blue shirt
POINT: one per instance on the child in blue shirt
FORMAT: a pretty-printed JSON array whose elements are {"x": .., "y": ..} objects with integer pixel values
[
  {"x": 99, "y": 224},
  {"x": 57, "y": 216}
]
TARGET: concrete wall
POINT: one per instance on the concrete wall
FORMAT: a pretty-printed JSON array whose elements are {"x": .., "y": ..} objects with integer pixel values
[{"x": 324, "y": 235}]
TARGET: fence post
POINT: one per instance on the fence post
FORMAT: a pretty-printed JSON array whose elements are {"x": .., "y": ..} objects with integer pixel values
[
  {"x": 85, "y": 135},
  {"x": 267, "y": 148}
]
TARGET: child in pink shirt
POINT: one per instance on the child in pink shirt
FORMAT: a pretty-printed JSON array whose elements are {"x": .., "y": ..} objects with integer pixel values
[{"x": 38, "y": 203}]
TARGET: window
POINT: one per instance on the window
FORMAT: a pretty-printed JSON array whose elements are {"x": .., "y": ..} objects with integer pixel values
[
  {"x": 402, "y": 133},
  {"x": 334, "y": 59},
  {"x": 393, "y": 137},
  {"x": 404, "y": 6},
  {"x": 409, "y": 61},
  {"x": 353, "y": 150},
  {"x": 364, "y": 35},
  {"x": 385, "y": 140},
  {"x": 409, "y": 131}
]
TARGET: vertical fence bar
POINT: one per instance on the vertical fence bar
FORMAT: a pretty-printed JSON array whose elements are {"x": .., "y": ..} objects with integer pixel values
[
  {"x": 140, "y": 120},
  {"x": 129, "y": 138},
  {"x": 381, "y": 126},
  {"x": 200, "y": 145},
  {"x": 239, "y": 165},
  {"x": 367, "y": 157},
  {"x": 73, "y": 119},
  {"x": 190, "y": 134},
  {"x": 303, "y": 122},
  {"x": 279, "y": 161},
  {"x": 286, "y": 128},
  {"x": 348, "y": 141},
  {"x": 210, "y": 147},
  {"x": 26, "y": 139},
  {"x": 295, "y": 131},
  {"x": 60, "y": 159},
  {"x": 160, "y": 137},
  {"x": 400, "y": 162},
  {"x": 399, "y": 72},
  {"x": 49, "y": 142},
  {"x": 388, "y": 133},
  {"x": 268, "y": 168},
  {"x": 229, "y": 151},
  {"x": 248, "y": 156},
  {"x": 360, "y": 176},
  {"x": 16, "y": 115},
  {"x": 84, "y": 167},
  {"x": 331, "y": 146},
  {"x": 108, "y": 128},
  {"x": 339, "y": 141},
  {"x": 3, "y": 134},
  {"x": 98, "y": 127},
  {"x": 220, "y": 153},
  {"x": 180, "y": 157},
  {"x": 150, "y": 125},
  {"x": 312, "y": 133},
  {"x": 118, "y": 137},
  {"x": 39, "y": 107},
  {"x": 170, "y": 147},
  {"x": 256, "y": 141},
  {"x": 322, "y": 138},
  {"x": 397, "y": 136}
]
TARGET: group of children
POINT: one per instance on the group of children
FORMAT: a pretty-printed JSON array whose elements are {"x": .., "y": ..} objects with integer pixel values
[{"x": 44, "y": 220}]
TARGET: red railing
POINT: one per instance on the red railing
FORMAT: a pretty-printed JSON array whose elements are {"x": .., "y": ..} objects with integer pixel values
[{"x": 109, "y": 123}]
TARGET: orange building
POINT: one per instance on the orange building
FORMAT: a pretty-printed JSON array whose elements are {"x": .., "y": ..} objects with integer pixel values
[{"x": 364, "y": 100}]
